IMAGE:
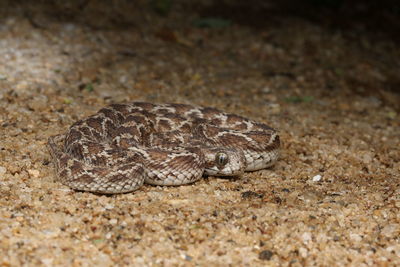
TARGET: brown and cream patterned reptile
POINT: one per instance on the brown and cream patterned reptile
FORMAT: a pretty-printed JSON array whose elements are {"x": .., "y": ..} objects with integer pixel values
[{"x": 125, "y": 145}]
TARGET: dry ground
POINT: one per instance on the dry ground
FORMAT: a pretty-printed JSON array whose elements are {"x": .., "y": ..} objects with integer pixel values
[{"x": 332, "y": 199}]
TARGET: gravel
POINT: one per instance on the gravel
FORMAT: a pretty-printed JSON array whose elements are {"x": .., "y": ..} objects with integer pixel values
[{"x": 323, "y": 89}]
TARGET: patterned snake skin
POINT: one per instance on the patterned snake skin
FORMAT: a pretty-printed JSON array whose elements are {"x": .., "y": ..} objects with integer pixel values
[{"x": 124, "y": 145}]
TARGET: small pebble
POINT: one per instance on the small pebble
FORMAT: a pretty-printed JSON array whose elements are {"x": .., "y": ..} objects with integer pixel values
[
  {"x": 390, "y": 230},
  {"x": 303, "y": 252},
  {"x": 109, "y": 206},
  {"x": 317, "y": 178},
  {"x": 265, "y": 255},
  {"x": 188, "y": 258},
  {"x": 34, "y": 173},
  {"x": 266, "y": 90},
  {"x": 306, "y": 237},
  {"x": 355, "y": 237},
  {"x": 2, "y": 170},
  {"x": 251, "y": 194}
]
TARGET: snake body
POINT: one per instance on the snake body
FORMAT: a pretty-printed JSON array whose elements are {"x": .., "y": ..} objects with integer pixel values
[{"x": 123, "y": 146}]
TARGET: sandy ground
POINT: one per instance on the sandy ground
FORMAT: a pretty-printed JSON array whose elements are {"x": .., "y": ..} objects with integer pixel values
[{"x": 333, "y": 199}]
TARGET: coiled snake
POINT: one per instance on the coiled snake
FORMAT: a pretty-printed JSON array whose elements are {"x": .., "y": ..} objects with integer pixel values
[{"x": 125, "y": 145}]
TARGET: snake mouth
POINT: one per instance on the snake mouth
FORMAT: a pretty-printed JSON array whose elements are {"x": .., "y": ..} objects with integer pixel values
[{"x": 226, "y": 173}]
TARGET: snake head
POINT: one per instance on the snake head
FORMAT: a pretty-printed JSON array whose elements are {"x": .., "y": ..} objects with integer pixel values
[{"x": 224, "y": 162}]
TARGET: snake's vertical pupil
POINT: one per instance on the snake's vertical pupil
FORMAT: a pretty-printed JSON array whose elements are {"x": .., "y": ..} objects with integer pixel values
[{"x": 221, "y": 159}]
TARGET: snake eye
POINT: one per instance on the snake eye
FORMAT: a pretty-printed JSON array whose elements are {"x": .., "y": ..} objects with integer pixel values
[{"x": 221, "y": 159}]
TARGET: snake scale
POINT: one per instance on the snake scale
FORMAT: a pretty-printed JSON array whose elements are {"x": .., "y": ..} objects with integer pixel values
[{"x": 123, "y": 146}]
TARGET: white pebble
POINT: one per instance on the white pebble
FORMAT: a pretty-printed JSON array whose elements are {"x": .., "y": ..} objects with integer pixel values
[
  {"x": 355, "y": 237},
  {"x": 306, "y": 237},
  {"x": 109, "y": 206},
  {"x": 108, "y": 235},
  {"x": 303, "y": 252},
  {"x": 47, "y": 261},
  {"x": 317, "y": 178},
  {"x": 113, "y": 221}
]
